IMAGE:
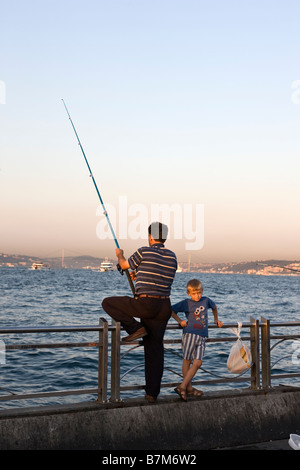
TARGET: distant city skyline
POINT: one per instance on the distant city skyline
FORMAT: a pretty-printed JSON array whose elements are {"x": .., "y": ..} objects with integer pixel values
[
  {"x": 187, "y": 103},
  {"x": 258, "y": 267}
]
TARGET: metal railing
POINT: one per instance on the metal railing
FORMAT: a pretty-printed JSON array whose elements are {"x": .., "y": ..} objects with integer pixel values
[
  {"x": 254, "y": 378},
  {"x": 266, "y": 349},
  {"x": 102, "y": 346},
  {"x": 260, "y": 345}
]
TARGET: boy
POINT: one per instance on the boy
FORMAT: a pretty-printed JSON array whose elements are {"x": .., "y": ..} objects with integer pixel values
[{"x": 195, "y": 333}]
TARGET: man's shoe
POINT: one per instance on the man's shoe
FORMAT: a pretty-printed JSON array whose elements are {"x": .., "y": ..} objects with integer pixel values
[
  {"x": 136, "y": 335},
  {"x": 150, "y": 399}
]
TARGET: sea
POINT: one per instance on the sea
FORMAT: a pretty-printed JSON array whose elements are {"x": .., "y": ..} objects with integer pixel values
[{"x": 67, "y": 297}]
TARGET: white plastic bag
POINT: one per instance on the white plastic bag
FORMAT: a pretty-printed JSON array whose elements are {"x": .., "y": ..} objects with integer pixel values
[
  {"x": 294, "y": 441},
  {"x": 240, "y": 358}
]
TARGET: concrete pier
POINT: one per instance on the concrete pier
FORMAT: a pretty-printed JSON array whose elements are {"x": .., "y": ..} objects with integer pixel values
[{"x": 215, "y": 421}]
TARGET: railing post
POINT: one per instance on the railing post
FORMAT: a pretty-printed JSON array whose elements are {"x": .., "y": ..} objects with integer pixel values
[
  {"x": 115, "y": 361},
  {"x": 103, "y": 360},
  {"x": 255, "y": 369},
  {"x": 265, "y": 353}
]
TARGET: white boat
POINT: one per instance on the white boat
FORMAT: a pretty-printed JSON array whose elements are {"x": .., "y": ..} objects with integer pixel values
[
  {"x": 106, "y": 266},
  {"x": 39, "y": 266}
]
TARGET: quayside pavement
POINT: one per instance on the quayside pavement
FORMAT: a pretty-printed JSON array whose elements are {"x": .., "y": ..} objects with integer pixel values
[
  {"x": 244, "y": 419},
  {"x": 281, "y": 444}
]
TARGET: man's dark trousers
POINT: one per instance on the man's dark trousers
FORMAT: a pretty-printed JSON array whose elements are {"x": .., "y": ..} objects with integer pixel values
[{"x": 154, "y": 314}]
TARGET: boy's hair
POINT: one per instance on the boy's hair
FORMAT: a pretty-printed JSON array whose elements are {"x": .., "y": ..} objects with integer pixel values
[
  {"x": 194, "y": 284},
  {"x": 158, "y": 231}
]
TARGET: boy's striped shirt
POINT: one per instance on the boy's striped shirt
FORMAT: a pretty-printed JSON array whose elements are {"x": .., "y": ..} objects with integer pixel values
[{"x": 155, "y": 268}]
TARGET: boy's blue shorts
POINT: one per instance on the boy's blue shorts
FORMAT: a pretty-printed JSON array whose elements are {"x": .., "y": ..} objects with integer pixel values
[{"x": 193, "y": 346}]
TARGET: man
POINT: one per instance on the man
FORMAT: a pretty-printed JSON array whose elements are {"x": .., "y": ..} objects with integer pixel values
[{"x": 154, "y": 268}]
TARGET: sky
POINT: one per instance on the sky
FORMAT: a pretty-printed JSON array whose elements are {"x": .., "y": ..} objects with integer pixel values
[{"x": 187, "y": 105}]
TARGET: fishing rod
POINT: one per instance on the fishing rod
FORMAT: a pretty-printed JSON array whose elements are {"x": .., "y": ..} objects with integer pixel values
[{"x": 102, "y": 203}]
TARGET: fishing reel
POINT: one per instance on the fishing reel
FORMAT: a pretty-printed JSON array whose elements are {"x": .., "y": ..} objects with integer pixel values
[{"x": 128, "y": 277}]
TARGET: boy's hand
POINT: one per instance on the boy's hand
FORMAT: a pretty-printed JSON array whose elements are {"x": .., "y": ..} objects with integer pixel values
[
  {"x": 183, "y": 324},
  {"x": 219, "y": 323}
]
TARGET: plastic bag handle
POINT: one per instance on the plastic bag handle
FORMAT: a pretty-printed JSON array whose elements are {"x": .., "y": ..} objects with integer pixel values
[{"x": 237, "y": 330}]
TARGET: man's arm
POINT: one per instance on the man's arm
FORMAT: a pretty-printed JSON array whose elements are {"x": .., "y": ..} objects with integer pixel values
[{"x": 121, "y": 259}]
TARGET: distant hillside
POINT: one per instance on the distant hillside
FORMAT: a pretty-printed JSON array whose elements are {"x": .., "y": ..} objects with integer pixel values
[
  {"x": 245, "y": 266},
  {"x": 266, "y": 267},
  {"x": 72, "y": 262},
  {"x": 17, "y": 260}
]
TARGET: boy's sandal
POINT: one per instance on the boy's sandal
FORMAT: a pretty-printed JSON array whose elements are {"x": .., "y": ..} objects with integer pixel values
[
  {"x": 196, "y": 393},
  {"x": 181, "y": 392}
]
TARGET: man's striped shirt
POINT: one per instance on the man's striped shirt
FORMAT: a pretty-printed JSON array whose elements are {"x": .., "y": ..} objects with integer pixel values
[{"x": 155, "y": 269}]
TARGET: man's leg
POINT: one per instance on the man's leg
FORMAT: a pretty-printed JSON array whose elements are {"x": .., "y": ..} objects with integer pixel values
[
  {"x": 154, "y": 356},
  {"x": 155, "y": 315},
  {"x": 122, "y": 309},
  {"x": 154, "y": 348}
]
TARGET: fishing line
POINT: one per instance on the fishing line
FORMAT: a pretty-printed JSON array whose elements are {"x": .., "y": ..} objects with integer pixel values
[{"x": 102, "y": 203}]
